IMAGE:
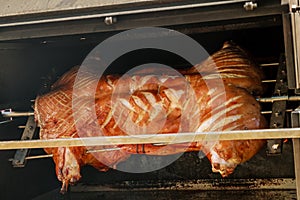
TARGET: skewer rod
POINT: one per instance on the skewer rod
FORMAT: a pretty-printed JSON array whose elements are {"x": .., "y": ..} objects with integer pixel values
[
  {"x": 270, "y": 111},
  {"x": 269, "y": 64},
  {"x": 17, "y": 114},
  {"x": 154, "y": 138},
  {"x": 39, "y": 156},
  {"x": 278, "y": 98},
  {"x": 268, "y": 81},
  {"x": 51, "y": 155},
  {"x": 266, "y": 100}
]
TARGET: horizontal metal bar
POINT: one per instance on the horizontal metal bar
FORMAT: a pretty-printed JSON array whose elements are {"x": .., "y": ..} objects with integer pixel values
[
  {"x": 263, "y": 100},
  {"x": 159, "y": 144},
  {"x": 278, "y": 98},
  {"x": 172, "y": 138},
  {"x": 268, "y": 81},
  {"x": 127, "y": 12},
  {"x": 6, "y": 121},
  {"x": 270, "y": 111},
  {"x": 51, "y": 155},
  {"x": 265, "y": 22},
  {"x": 269, "y": 64},
  {"x": 16, "y": 114},
  {"x": 103, "y": 150},
  {"x": 39, "y": 157},
  {"x": 210, "y": 15}
]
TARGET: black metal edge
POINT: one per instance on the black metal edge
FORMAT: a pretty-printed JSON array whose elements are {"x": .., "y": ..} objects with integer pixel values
[
  {"x": 165, "y": 18},
  {"x": 289, "y": 52}
]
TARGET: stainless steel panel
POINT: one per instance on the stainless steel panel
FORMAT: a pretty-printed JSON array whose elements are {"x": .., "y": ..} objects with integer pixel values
[
  {"x": 95, "y": 23},
  {"x": 15, "y": 7}
]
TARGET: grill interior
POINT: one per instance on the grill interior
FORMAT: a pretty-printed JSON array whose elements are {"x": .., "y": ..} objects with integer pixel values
[{"x": 29, "y": 63}]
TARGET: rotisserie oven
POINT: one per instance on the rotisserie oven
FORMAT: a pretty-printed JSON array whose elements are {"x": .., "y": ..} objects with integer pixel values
[{"x": 150, "y": 99}]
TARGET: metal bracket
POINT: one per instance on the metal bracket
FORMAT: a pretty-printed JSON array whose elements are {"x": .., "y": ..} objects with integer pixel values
[
  {"x": 28, "y": 133},
  {"x": 20, "y": 156},
  {"x": 7, "y": 115},
  {"x": 274, "y": 147},
  {"x": 5, "y": 119}
]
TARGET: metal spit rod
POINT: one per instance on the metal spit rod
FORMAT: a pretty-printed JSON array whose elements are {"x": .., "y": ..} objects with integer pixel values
[
  {"x": 269, "y": 81},
  {"x": 51, "y": 155},
  {"x": 36, "y": 157},
  {"x": 278, "y": 98},
  {"x": 172, "y": 138},
  {"x": 269, "y": 64},
  {"x": 265, "y": 112},
  {"x": 270, "y": 111},
  {"x": 10, "y": 114}
]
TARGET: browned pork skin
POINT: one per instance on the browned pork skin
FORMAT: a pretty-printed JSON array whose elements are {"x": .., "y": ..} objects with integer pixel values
[{"x": 204, "y": 105}]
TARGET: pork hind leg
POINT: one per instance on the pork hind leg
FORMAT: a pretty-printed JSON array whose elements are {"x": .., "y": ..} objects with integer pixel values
[{"x": 67, "y": 167}]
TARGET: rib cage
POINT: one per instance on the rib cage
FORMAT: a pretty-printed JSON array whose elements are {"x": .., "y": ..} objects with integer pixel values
[{"x": 195, "y": 101}]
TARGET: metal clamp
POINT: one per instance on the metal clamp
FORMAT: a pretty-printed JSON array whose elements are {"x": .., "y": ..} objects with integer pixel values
[
  {"x": 9, "y": 113},
  {"x": 4, "y": 119},
  {"x": 19, "y": 159}
]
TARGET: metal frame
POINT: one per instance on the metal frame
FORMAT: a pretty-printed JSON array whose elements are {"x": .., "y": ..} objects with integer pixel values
[
  {"x": 274, "y": 147},
  {"x": 294, "y": 6},
  {"x": 35, "y": 25},
  {"x": 19, "y": 159},
  {"x": 156, "y": 8},
  {"x": 288, "y": 43},
  {"x": 295, "y": 21},
  {"x": 291, "y": 28},
  {"x": 296, "y": 149},
  {"x": 129, "y": 18}
]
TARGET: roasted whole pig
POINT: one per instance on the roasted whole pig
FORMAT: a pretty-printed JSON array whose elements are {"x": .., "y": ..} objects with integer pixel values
[{"x": 215, "y": 95}]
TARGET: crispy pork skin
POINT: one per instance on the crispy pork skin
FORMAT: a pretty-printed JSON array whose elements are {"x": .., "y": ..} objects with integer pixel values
[{"x": 215, "y": 95}]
